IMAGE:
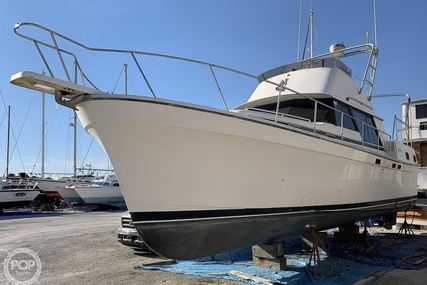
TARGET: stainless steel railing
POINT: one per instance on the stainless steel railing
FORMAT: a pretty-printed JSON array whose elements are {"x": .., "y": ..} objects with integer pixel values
[{"x": 314, "y": 61}]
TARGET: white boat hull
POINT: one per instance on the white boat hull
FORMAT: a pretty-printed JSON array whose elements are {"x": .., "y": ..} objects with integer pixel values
[
  {"x": 191, "y": 175},
  {"x": 49, "y": 186},
  {"x": 101, "y": 195},
  {"x": 17, "y": 197},
  {"x": 69, "y": 194}
]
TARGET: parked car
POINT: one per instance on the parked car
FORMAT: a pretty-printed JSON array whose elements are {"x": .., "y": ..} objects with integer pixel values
[{"x": 127, "y": 233}]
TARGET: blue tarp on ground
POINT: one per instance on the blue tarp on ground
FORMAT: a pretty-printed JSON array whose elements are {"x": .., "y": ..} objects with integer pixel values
[
  {"x": 382, "y": 253},
  {"x": 386, "y": 250},
  {"x": 351, "y": 271}
]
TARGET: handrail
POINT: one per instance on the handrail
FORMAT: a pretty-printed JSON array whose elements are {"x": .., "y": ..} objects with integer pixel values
[
  {"x": 346, "y": 52},
  {"x": 404, "y": 127},
  {"x": 342, "y": 114},
  {"x": 280, "y": 86},
  {"x": 59, "y": 51}
]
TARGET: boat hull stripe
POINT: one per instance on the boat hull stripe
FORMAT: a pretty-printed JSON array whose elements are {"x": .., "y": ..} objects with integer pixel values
[{"x": 228, "y": 213}]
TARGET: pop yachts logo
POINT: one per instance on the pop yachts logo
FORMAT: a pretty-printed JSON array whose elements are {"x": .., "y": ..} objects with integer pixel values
[{"x": 22, "y": 266}]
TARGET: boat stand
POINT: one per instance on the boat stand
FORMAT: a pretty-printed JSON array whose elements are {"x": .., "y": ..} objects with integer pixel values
[
  {"x": 405, "y": 229},
  {"x": 213, "y": 257},
  {"x": 367, "y": 242},
  {"x": 317, "y": 269},
  {"x": 269, "y": 255}
]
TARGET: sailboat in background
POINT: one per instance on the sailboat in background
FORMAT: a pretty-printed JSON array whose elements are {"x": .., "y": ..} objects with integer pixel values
[
  {"x": 15, "y": 191},
  {"x": 58, "y": 188},
  {"x": 50, "y": 186}
]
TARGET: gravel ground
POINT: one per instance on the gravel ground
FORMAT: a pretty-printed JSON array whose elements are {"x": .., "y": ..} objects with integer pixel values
[{"x": 82, "y": 248}]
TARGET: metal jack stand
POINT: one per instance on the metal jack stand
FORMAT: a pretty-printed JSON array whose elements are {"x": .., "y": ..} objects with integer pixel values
[
  {"x": 367, "y": 242},
  {"x": 317, "y": 270},
  {"x": 213, "y": 257},
  {"x": 405, "y": 229}
]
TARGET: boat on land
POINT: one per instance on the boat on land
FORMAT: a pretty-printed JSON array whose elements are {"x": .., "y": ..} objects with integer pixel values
[
  {"x": 69, "y": 195},
  {"x": 49, "y": 186},
  {"x": 16, "y": 193},
  {"x": 105, "y": 191},
  {"x": 305, "y": 151},
  {"x": 46, "y": 184},
  {"x": 67, "y": 191}
]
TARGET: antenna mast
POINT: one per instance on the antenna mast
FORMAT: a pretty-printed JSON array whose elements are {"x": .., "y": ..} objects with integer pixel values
[
  {"x": 311, "y": 33},
  {"x": 299, "y": 29},
  {"x": 375, "y": 24}
]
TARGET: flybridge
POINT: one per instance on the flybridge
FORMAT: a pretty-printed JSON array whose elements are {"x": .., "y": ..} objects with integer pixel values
[
  {"x": 68, "y": 87},
  {"x": 331, "y": 59}
]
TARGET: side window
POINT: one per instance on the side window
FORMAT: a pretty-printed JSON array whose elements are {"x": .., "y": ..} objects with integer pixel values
[
  {"x": 304, "y": 108},
  {"x": 365, "y": 126},
  {"x": 421, "y": 111},
  {"x": 344, "y": 116}
]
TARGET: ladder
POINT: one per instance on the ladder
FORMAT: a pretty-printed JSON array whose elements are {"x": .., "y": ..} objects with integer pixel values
[{"x": 369, "y": 75}]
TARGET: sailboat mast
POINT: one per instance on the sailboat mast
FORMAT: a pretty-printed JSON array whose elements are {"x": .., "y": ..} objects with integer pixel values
[
  {"x": 8, "y": 141},
  {"x": 126, "y": 78},
  {"x": 75, "y": 129},
  {"x": 43, "y": 132},
  {"x": 75, "y": 145}
]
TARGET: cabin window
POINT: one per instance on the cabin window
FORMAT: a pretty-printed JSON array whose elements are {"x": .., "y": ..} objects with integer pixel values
[
  {"x": 358, "y": 121},
  {"x": 304, "y": 108},
  {"x": 407, "y": 155},
  {"x": 365, "y": 126},
  {"x": 415, "y": 158},
  {"x": 421, "y": 111},
  {"x": 348, "y": 121},
  {"x": 423, "y": 126}
]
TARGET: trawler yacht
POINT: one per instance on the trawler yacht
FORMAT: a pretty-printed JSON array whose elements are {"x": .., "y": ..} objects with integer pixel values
[{"x": 305, "y": 151}]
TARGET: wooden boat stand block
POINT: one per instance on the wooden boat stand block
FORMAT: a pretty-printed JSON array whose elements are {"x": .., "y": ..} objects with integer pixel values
[{"x": 269, "y": 255}]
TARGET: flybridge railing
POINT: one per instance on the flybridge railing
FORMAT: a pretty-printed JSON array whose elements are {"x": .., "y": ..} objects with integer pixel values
[
  {"x": 313, "y": 62},
  {"x": 401, "y": 130},
  {"x": 55, "y": 37},
  {"x": 60, "y": 52}
]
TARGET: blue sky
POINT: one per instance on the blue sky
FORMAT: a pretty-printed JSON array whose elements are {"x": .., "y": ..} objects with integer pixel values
[{"x": 248, "y": 35}]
